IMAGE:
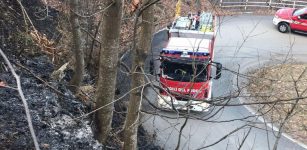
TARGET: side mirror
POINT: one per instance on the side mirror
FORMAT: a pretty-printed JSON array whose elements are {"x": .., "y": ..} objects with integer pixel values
[
  {"x": 162, "y": 66},
  {"x": 218, "y": 70},
  {"x": 169, "y": 26},
  {"x": 295, "y": 17}
]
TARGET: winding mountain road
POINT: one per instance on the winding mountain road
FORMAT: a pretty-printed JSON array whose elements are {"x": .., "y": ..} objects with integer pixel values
[{"x": 243, "y": 43}]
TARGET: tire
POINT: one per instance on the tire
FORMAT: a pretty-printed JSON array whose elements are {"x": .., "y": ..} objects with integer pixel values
[{"x": 283, "y": 27}]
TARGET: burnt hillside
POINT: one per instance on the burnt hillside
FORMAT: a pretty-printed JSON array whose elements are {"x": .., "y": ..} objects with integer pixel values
[{"x": 52, "y": 105}]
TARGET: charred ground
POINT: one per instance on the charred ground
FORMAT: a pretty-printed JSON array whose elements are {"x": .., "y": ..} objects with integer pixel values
[{"x": 53, "y": 113}]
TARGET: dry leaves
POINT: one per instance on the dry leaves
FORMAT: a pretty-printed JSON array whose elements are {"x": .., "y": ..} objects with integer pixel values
[
  {"x": 2, "y": 84},
  {"x": 134, "y": 5},
  {"x": 277, "y": 82},
  {"x": 42, "y": 41}
]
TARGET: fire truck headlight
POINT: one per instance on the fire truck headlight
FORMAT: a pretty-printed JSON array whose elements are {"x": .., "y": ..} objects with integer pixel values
[
  {"x": 204, "y": 105},
  {"x": 201, "y": 104}
]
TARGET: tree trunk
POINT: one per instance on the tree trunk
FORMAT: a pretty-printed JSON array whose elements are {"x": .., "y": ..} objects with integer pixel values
[
  {"x": 76, "y": 48},
  {"x": 137, "y": 79},
  {"x": 108, "y": 67}
]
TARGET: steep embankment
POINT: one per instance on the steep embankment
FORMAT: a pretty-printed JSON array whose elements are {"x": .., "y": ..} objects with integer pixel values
[{"x": 53, "y": 107}]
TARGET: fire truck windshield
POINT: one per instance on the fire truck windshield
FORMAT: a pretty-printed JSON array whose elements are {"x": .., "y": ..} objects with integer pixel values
[{"x": 184, "y": 72}]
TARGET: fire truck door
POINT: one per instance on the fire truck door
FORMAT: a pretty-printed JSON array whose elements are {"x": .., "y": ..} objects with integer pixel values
[{"x": 300, "y": 23}]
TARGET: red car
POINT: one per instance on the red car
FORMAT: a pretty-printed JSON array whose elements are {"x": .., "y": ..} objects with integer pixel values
[{"x": 287, "y": 19}]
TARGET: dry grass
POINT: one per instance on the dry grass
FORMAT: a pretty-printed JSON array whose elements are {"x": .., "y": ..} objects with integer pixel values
[{"x": 278, "y": 83}]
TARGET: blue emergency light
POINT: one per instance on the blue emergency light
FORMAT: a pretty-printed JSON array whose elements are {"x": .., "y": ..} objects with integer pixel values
[
  {"x": 198, "y": 53},
  {"x": 180, "y": 52},
  {"x": 169, "y": 51}
]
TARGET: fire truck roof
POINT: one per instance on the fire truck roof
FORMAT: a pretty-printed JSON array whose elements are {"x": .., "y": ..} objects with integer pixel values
[
  {"x": 188, "y": 45},
  {"x": 191, "y": 34}
]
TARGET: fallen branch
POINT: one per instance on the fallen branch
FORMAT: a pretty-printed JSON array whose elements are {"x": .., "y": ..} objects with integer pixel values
[
  {"x": 40, "y": 79},
  {"x": 49, "y": 86},
  {"x": 4, "y": 85}
]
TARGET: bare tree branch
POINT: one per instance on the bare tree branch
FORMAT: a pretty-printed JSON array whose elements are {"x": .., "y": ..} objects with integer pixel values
[{"x": 24, "y": 101}]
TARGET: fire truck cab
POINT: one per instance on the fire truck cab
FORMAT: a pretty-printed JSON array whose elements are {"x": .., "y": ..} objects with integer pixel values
[{"x": 185, "y": 66}]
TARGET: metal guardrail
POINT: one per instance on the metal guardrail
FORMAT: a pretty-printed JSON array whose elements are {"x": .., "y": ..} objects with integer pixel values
[{"x": 245, "y": 4}]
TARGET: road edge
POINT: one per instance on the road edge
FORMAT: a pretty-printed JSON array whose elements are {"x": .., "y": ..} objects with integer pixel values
[{"x": 260, "y": 118}]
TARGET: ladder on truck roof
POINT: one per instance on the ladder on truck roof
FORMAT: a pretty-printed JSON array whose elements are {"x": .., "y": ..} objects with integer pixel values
[{"x": 185, "y": 27}]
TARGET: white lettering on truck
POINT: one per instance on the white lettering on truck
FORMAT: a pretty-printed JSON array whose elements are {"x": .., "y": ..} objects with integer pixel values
[{"x": 183, "y": 90}]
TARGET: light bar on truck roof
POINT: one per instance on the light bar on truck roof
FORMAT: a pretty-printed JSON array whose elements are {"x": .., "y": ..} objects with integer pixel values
[{"x": 180, "y": 52}]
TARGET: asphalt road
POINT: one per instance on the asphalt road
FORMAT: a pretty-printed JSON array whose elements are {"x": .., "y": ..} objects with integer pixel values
[{"x": 243, "y": 43}]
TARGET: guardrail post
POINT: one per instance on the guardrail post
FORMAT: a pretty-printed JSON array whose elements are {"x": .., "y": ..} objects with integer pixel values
[
  {"x": 246, "y": 4},
  {"x": 270, "y": 4},
  {"x": 294, "y": 3},
  {"x": 221, "y": 1}
]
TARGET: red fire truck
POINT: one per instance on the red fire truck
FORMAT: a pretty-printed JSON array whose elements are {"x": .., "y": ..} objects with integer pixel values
[{"x": 185, "y": 65}]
